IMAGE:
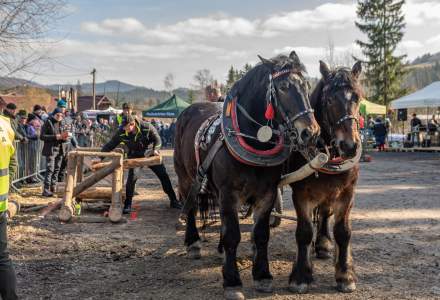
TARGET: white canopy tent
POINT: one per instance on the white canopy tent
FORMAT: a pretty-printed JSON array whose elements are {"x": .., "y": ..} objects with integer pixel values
[{"x": 429, "y": 96}]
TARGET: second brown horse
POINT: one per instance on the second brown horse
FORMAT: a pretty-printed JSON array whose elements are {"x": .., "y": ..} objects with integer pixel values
[{"x": 336, "y": 103}]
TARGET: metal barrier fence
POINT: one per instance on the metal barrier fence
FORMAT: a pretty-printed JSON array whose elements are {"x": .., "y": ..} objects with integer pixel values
[{"x": 30, "y": 162}]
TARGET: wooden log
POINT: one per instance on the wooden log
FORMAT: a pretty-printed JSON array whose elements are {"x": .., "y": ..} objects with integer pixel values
[
  {"x": 96, "y": 192},
  {"x": 95, "y": 153},
  {"x": 87, "y": 219},
  {"x": 115, "y": 211},
  {"x": 283, "y": 216},
  {"x": 88, "y": 149},
  {"x": 94, "y": 178},
  {"x": 34, "y": 208},
  {"x": 79, "y": 169},
  {"x": 51, "y": 207},
  {"x": 66, "y": 211},
  {"x": 13, "y": 208},
  {"x": 131, "y": 162}
]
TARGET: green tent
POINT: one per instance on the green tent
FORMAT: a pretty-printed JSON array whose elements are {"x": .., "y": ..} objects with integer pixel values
[
  {"x": 370, "y": 108},
  {"x": 168, "y": 109}
]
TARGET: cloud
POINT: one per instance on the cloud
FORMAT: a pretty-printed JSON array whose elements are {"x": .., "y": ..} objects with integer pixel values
[
  {"x": 325, "y": 16},
  {"x": 201, "y": 28},
  {"x": 418, "y": 13},
  {"x": 114, "y": 27},
  {"x": 103, "y": 49}
]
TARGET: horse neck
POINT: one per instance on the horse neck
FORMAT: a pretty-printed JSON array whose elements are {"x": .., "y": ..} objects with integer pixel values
[
  {"x": 316, "y": 100},
  {"x": 252, "y": 97}
]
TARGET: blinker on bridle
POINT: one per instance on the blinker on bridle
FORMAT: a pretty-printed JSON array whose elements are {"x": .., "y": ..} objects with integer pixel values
[
  {"x": 272, "y": 96},
  {"x": 265, "y": 132}
]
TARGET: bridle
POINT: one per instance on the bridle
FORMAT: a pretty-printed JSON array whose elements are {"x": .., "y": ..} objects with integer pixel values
[
  {"x": 324, "y": 105},
  {"x": 288, "y": 122}
]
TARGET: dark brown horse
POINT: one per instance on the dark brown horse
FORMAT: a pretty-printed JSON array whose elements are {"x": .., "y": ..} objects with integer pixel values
[
  {"x": 336, "y": 102},
  {"x": 233, "y": 182}
]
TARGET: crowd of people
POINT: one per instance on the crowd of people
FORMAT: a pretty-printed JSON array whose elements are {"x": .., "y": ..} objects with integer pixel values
[{"x": 60, "y": 131}]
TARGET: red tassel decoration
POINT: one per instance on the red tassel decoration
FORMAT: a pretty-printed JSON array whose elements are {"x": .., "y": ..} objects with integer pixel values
[{"x": 270, "y": 113}]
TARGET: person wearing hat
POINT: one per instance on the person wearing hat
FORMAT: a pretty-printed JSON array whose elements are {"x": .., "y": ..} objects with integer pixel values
[
  {"x": 127, "y": 110},
  {"x": 137, "y": 136},
  {"x": 10, "y": 113},
  {"x": 55, "y": 138}
]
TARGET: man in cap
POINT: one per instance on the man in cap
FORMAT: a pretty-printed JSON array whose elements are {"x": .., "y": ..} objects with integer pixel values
[
  {"x": 137, "y": 136},
  {"x": 55, "y": 139},
  {"x": 10, "y": 112},
  {"x": 127, "y": 110}
]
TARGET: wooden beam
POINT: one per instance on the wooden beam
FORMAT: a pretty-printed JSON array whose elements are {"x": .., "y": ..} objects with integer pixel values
[
  {"x": 115, "y": 211},
  {"x": 96, "y": 153},
  {"x": 66, "y": 211},
  {"x": 94, "y": 192},
  {"x": 93, "y": 179},
  {"x": 132, "y": 163}
]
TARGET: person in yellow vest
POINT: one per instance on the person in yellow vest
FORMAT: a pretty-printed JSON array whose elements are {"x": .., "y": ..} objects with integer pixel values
[
  {"x": 7, "y": 273},
  {"x": 127, "y": 110}
]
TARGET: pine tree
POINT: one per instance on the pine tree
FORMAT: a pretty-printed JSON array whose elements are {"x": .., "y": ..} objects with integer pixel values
[
  {"x": 383, "y": 23},
  {"x": 191, "y": 96},
  {"x": 231, "y": 78}
]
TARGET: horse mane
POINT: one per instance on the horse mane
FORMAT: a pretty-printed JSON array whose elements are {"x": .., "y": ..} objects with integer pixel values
[{"x": 261, "y": 71}]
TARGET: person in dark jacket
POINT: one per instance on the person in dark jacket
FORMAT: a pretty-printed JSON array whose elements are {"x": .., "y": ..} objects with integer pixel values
[
  {"x": 10, "y": 112},
  {"x": 380, "y": 133},
  {"x": 137, "y": 136},
  {"x": 55, "y": 139}
]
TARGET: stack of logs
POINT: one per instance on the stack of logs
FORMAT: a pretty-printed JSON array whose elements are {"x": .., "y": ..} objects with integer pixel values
[{"x": 79, "y": 188}]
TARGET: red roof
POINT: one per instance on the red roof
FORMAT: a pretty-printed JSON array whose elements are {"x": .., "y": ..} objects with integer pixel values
[{"x": 86, "y": 102}]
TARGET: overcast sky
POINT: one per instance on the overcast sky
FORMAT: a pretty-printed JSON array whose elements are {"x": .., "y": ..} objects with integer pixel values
[{"x": 140, "y": 41}]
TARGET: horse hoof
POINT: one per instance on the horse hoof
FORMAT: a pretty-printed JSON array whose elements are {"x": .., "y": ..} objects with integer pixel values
[
  {"x": 233, "y": 293},
  {"x": 346, "y": 287},
  {"x": 323, "y": 254},
  {"x": 193, "y": 250},
  {"x": 263, "y": 286},
  {"x": 301, "y": 288}
]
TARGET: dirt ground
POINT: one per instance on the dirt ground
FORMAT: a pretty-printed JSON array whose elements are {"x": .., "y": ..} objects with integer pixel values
[{"x": 396, "y": 245}]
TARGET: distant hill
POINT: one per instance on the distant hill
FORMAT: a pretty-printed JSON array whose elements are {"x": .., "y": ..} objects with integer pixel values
[
  {"x": 422, "y": 71},
  {"x": 427, "y": 58},
  {"x": 141, "y": 97},
  {"x": 12, "y": 82}
]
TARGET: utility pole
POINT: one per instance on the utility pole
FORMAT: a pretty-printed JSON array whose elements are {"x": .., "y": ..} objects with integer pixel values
[{"x": 94, "y": 87}]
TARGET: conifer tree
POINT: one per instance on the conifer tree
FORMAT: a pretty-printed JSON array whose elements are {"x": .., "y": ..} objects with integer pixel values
[{"x": 383, "y": 23}]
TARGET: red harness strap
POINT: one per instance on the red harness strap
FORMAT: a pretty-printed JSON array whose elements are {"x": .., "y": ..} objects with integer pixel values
[{"x": 275, "y": 150}]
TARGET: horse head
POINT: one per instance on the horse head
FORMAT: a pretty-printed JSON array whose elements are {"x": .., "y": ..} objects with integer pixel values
[
  {"x": 289, "y": 92},
  {"x": 338, "y": 110}
]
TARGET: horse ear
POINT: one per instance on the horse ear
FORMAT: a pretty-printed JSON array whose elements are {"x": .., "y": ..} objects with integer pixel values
[
  {"x": 266, "y": 61},
  {"x": 295, "y": 58},
  {"x": 356, "y": 70},
  {"x": 324, "y": 69}
]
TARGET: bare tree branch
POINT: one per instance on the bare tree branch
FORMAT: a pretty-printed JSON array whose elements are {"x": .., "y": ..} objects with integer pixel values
[{"x": 23, "y": 26}]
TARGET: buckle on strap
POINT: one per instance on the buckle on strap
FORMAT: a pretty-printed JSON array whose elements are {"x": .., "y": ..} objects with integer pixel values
[
  {"x": 345, "y": 118},
  {"x": 303, "y": 113}
]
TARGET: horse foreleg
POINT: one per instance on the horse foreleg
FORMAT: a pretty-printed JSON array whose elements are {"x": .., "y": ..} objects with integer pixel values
[
  {"x": 260, "y": 238},
  {"x": 192, "y": 238},
  {"x": 344, "y": 270},
  {"x": 323, "y": 239},
  {"x": 230, "y": 238},
  {"x": 302, "y": 273}
]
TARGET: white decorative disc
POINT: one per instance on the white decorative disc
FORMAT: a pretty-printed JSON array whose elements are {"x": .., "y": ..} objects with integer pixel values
[{"x": 264, "y": 134}]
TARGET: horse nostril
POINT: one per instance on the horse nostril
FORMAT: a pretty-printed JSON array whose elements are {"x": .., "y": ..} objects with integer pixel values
[{"x": 306, "y": 135}]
